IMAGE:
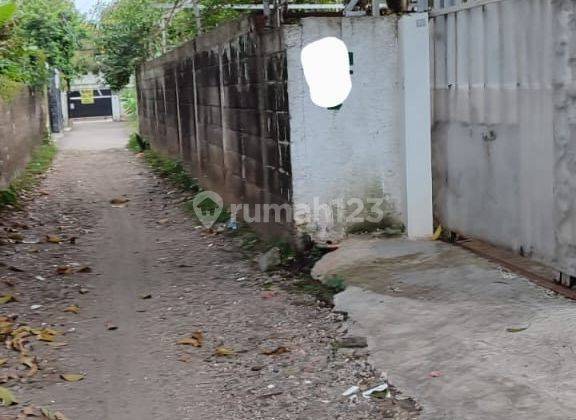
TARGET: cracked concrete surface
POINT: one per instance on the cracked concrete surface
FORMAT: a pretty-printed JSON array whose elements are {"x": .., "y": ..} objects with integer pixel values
[{"x": 464, "y": 337}]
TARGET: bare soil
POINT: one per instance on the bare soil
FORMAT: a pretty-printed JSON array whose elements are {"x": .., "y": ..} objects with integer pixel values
[{"x": 144, "y": 276}]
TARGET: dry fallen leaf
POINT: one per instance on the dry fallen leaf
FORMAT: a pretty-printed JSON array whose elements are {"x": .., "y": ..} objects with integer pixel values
[
  {"x": 85, "y": 269},
  {"x": 46, "y": 334},
  {"x": 163, "y": 221},
  {"x": 7, "y": 397},
  {"x": 16, "y": 237},
  {"x": 58, "y": 345},
  {"x": 195, "y": 340},
  {"x": 45, "y": 337},
  {"x": 119, "y": 202},
  {"x": 223, "y": 351},
  {"x": 64, "y": 270},
  {"x": 31, "y": 363},
  {"x": 75, "y": 309},
  {"x": 72, "y": 377},
  {"x": 111, "y": 327},
  {"x": 53, "y": 415},
  {"x": 31, "y": 411},
  {"x": 10, "y": 375},
  {"x": 185, "y": 358},
  {"x": 516, "y": 329},
  {"x": 6, "y": 299},
  {"x": 276, "y": 351},
  {"x": 53, "y": 239},
  {"x": 5, "y": 327},
  {"x": 3, "y": 361}
]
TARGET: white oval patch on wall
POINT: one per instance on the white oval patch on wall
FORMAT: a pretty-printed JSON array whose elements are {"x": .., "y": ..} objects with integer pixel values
[{"x": 326, "y": 67}]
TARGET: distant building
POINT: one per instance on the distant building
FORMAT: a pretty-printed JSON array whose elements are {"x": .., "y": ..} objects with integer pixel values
[{"x": 89, "y": 96}]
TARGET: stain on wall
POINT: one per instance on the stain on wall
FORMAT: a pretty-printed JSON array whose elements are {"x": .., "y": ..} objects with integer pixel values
[
  {"x": 565, "y": 135},
  {"x": 23, "y": 125},
  {"x": 504, "y": 152}
]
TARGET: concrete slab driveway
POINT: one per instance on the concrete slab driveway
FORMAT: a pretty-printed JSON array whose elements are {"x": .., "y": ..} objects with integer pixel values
[{"x": 465, "y": 338}]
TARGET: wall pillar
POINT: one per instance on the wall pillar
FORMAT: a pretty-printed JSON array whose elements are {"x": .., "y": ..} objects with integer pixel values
[
  {"x": 415, "y": 68},
  {"x": 116, "y": 107}
]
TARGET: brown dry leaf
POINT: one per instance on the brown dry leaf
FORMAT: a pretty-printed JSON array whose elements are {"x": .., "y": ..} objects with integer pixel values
[
  {"x": 111, "y": 327},
  {"x": 58, "y": 345},
  {"x": 119, "y": 202},
  {"x": 16, "y": 237},
  {"x": 53, "y": 415},
  {"x": 31, "y": 411},
  {"x": 223, "y": 351},
  {"x": 64, "y": 270},
  {"x": 7, "y": 299},
  {"x": 7, "y": 397},
  {"x": 163, "y": 221},
  {"x": 51, "y": 331},
  {"x": 9, "y": 376},
  {"x": 3, "y": 361},
  {"x": 195, "y": 340},
  {"x": 72, "y": 377},
  {"x": 46, "y": 335},
  {"x": 17, "y": 343},
  {"x": 185, "y": 358},
  {"x": 277, "y": 351},
  {"x": 5, "y": 327},
  {"x": 75, "y": 309},
  {"x": 53, "y": 239},
  {"x": 31, "y": 363}
]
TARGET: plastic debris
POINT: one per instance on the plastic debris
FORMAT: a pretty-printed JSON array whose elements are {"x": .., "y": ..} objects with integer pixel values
[
  {"x": 232, "y": 224},
  {"x": 380, "y": 388},
  {"x": 351, "y": 391}
]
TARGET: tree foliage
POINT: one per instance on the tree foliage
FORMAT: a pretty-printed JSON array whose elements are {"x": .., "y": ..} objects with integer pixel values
[
  {"x": 128, "y": 34},
  {"x": 34, "y": 33},
  {"x": 133, "y": 31}
]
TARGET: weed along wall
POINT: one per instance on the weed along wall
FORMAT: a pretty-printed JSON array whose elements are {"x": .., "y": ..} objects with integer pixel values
[
  {"x": 235, "y": 106},
  {"x": 22, "y": 127}
]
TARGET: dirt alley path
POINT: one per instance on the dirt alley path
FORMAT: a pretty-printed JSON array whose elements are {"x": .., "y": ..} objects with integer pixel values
[{"x": 197, "y": 282}]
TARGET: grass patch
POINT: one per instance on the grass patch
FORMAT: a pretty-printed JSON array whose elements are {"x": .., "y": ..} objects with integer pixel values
[
  {"x": 172, "y": 170},
  {"x": 40, "y": 162},
  {"x": 207, "y": 206},
  {"x": 388, "y": 226},
  {"x": 322, "y": 291}
]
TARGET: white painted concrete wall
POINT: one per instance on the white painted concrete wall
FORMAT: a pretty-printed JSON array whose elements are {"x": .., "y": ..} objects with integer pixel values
[
  {"x": 358, "y": 150},
  {"x": 355, "y": 151}
]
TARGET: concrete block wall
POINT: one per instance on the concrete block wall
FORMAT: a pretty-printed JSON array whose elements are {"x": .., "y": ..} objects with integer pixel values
[
  {"x": 23, "y": 125},
  {"x": 220, "y": 104}
]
